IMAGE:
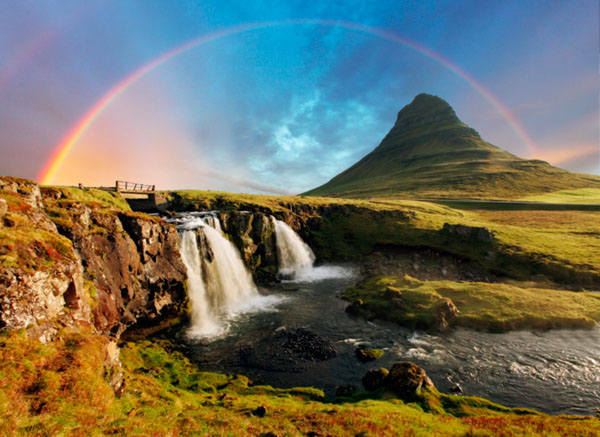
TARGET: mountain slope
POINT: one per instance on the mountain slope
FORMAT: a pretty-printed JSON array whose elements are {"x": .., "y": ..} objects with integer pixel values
[{"x": 430, "y": 153}]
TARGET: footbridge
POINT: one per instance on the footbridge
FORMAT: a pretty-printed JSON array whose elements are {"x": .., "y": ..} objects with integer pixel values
[{"x": 141, "y": 197}]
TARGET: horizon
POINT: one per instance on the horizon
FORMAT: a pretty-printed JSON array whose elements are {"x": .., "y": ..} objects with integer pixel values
[{"x": 280, "y": 99}]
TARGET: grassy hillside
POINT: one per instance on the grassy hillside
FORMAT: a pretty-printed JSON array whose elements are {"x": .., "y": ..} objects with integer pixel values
[{"x": 430, "y": 153}]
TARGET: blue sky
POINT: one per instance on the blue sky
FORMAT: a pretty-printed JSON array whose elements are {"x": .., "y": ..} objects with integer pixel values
[{"x": 284, "y": 108}]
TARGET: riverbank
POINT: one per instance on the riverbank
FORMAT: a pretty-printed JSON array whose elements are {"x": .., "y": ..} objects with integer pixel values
[
  {"x": 61, "y": 388},
  {"x": 493, "y": 307}
]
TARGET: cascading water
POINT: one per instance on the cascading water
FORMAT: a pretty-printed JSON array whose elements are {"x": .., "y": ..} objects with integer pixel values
[
  {"x": 296, "y": 258},
  {"x": 204, "y": 322},
  {"x": 293, "y": 254},
  {"x": 219, "y": 285}
]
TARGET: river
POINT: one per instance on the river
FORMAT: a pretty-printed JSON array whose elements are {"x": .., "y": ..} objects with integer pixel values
[{"x": 556, "y": 372}]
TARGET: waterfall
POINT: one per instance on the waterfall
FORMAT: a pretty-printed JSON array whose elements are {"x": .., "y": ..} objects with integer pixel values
[
  {"x": 204, "y": 321},
  {"x": 228, "y": 283},
  {"x": 219, "y": 285},
  {"x": 294, "y": 256}
]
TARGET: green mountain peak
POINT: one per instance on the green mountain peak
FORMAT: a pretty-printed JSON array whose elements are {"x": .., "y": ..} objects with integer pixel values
[
  {"x": 430, "y": 153},
  {"x": 425, "y": 109}
]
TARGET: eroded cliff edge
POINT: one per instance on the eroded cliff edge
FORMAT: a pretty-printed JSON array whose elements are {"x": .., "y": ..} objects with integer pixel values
[{"x": 78, "y": 256}]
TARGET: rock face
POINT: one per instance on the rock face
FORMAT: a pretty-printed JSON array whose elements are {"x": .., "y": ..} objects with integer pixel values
[
  {"x": 132, "y": 262},
  {"x": 41, "y": 278},
  {"x": 67, "y": 262},
  {"x": 483, "y": 235},
  {"x": 254, "y": 235},
  {"x": 84, "y": 262}
]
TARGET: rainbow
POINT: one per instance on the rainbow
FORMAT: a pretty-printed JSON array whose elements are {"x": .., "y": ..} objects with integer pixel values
[{"x": 67, "y": 143}]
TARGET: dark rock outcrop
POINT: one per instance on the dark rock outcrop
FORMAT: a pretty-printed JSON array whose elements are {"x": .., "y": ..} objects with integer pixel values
[
  {"x": 254, "y": 235},
  {"x": 287, "y": 350},
  {"x": 483, "y": 235},
  {"x": 85, "y": 264},
  {"x": 134, "y": 265},
  {"x": 82, "y": 261}
]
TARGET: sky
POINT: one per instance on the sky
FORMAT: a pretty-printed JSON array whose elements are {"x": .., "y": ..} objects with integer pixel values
[{"x": 279, "y": 97}]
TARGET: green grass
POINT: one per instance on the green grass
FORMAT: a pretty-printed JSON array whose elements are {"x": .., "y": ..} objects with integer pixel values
[
  {"x": 60, "y": 389},
  {"x": 582, "y": 195},
  {"x": 92, "y": 197},
  {"x": 492, "y": 307}
]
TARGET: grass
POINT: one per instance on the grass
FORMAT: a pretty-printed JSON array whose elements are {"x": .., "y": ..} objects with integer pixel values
[
  {"x": 93, "y": 197},
  {"x": 483, "y": 306},
  {"x": 582, "y": 195},
  {"x": 60, "y": 389}
]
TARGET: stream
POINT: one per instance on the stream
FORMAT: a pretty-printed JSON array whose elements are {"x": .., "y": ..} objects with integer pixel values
[{"x": 556, "y": 372}]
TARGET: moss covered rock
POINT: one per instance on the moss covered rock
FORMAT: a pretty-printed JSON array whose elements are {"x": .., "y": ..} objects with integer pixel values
[
  {"x": 374, "y": 378},
  {"x": 407, "y": 380},
  {"x": 365, "y": 354}
]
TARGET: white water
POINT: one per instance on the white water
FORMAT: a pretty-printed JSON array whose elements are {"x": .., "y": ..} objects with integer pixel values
[
  {"x": 296, "y": 258},
  {"x": 204, "y": 322},
  {"x": 294, "y": 255},
  {"x": 219, "y": 285}
]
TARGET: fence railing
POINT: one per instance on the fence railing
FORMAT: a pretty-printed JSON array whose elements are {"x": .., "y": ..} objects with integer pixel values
[{"x": 133, "y": 186}]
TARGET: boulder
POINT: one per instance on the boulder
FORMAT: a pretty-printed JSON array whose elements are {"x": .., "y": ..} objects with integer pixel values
[
  {"x": 407, "y": 380},
  {"x": 113, "y": 371},
  {"x": 446, "y": 313},
  {"x": 374, "y": 378},
  {"x": 366, "y": 354}
]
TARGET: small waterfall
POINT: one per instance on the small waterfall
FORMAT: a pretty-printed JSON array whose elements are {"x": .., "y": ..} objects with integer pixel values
[
  {"x": 204, "y": 321},
  {"x": 294, "y": 255},
  {"x": 228, "y": 283},
  {"x": 219, "y": 285}
]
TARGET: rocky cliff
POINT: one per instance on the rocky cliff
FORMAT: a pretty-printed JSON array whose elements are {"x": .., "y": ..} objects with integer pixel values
[{"x": 70, "y": 256}]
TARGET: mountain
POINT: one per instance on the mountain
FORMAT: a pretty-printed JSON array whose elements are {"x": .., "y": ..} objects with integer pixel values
[{"x": 430, "y": 153}]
